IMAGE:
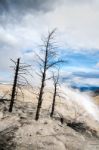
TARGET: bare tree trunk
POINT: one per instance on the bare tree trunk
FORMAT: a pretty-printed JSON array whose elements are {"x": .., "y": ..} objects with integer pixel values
[
  {"x": 53, "y": 104},
  {"x": 43, "y": 80},
  {"x": 41, "y": 90},
  {"x": 46, "y": 63},
  {"x": 14, "y": 86},
  {"x": 40, "y": 101}
]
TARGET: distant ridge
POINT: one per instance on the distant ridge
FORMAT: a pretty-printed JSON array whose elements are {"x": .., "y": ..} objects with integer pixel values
[
  {"x": 5, "y": 83},
  {"x": 87, "y": 88}
]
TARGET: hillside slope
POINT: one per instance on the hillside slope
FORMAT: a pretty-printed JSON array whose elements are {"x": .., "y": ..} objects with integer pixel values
[{"x": 20, "y": 131}]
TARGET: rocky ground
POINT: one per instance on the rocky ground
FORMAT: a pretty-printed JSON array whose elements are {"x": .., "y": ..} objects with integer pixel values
[
  {"x": 19, "y": 131},
  {"x": 70, "y": 128}
]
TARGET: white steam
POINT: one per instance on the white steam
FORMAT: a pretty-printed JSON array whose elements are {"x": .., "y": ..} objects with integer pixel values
[{"x": 81, "y": 100}]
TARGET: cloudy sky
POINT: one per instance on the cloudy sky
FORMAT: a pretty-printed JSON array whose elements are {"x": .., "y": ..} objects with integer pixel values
[{"x": 23, "y": 22}]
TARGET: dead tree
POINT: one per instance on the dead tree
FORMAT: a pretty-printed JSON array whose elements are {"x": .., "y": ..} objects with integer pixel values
[
  {"x": 21, "y": 69},
  {"x": 55, "y": 94},
  {"x": 14, "y": 85},
  {"x": 46, "y": 62}
]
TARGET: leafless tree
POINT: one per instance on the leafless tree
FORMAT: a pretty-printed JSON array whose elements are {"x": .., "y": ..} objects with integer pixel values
[
  {"x": 14, "y": 85},
  {"x": 46, "y": 62},
  {"x": 21, "y": 69},
  {"x": 55, "y": 94}
]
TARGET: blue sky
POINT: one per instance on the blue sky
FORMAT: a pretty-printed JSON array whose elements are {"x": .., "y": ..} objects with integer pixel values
[
  {"x": 23, "y": 23},
  {"x": 86, "y": 58},
  {"x": 82, "y": 68}
]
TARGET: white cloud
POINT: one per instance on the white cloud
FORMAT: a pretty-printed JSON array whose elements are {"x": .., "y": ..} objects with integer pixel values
[
  {"x": 77, "y": 22},
  {"x": 77, "y": 25},
  {"x": 86, "y": 81},
  {"x": 97, "y": 65},
  {"x": 7, "y": 38}
]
